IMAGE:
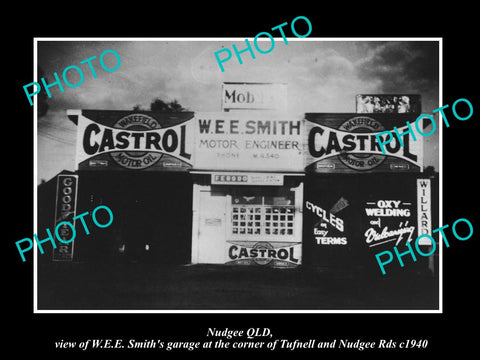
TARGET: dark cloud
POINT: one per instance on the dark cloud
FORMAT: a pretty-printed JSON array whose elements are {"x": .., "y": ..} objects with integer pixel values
[{"x": 402, "y": 66}]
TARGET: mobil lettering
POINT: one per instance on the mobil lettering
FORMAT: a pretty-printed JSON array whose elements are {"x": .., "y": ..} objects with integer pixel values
[
  {"x": 242, "y": 97},
  {"x": 98, "y": 139}
]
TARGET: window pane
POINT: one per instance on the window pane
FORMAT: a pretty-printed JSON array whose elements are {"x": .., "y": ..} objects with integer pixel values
[
  {"x": 280, "y": 200},
  {"x": 262, "y": 214}
]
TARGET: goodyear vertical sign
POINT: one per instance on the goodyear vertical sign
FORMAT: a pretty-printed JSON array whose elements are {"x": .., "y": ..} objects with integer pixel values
[{"x": 65, "y": 211}]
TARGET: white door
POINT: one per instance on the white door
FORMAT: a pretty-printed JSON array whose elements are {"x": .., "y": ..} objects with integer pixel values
[{"x": 211, "y": 228}]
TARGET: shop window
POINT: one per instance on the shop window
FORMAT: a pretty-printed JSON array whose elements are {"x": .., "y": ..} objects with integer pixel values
[{"x": 263, "y": 215}]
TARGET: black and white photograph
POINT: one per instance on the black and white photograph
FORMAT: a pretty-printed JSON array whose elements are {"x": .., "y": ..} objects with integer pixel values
[
  {"x": 249, "y": 183},
  {"x": 269, "y": 192}
]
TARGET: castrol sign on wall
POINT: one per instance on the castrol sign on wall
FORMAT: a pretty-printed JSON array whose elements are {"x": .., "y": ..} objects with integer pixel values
[
  {"x": 346, "y": 142},
  {"x": 126, "y": 140}
]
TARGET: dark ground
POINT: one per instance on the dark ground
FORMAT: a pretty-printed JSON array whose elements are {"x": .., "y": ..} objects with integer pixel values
[{"x": 143, "y": 286}]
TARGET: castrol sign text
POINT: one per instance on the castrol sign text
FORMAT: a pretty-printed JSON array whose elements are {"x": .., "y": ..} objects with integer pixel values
[
  {"x": 135, "y": 142},
  {"x": 349, "y": 143}
]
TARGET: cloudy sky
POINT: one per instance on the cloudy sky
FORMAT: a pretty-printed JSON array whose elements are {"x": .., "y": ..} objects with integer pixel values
[{"x": 322, "y": 76}]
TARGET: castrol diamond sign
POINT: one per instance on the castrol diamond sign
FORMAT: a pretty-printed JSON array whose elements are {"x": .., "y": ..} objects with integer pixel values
[
  {"x": 121, "y": 140},
  {"x": 345, "y": 143}
]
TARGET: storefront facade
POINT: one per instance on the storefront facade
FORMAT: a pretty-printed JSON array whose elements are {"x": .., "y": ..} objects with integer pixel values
[
  {"x": 240, "y": 218},
  {"x": 249, "y": 187}
]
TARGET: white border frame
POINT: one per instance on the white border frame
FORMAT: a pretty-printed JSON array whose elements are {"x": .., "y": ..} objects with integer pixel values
[{"x": 93, "y": 39}]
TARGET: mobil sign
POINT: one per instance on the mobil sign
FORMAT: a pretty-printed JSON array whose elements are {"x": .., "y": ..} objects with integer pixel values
[{"x": 254, "y": 96}]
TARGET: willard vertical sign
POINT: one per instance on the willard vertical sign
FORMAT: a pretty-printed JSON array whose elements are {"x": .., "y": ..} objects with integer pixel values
[
  {"x": 65, "y": 211},
  {"x": 251, "y": 141},
  {"x": 424, "y": 210}
]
